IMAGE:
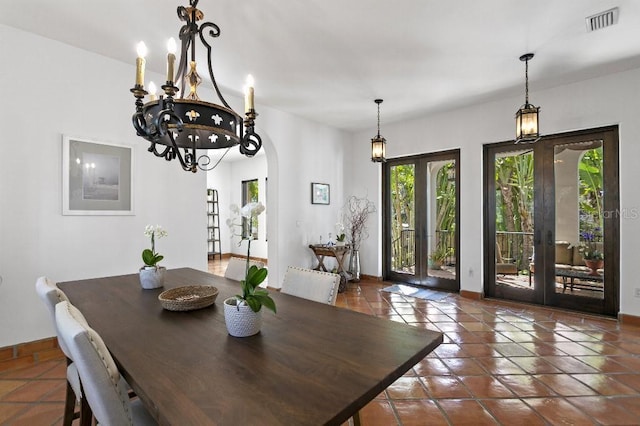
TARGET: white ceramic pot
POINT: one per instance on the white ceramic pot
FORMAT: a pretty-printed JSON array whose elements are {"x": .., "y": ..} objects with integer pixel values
[
  {"x": 240, "y": 319},
  {"x": 152, "y": 277},
  {"x": 340, "y": 243}
]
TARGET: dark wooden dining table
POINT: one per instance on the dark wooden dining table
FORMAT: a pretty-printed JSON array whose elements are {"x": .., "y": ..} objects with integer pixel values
[{"x": 311, "y": 364}]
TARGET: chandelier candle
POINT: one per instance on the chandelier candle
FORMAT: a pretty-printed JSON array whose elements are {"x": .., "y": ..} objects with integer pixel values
[
  {"x": 152, "y": 91},
  {"x": 171, "y": 59},
  {"x": 248, "y": 94},
  {"x": 142, "y": 52}
]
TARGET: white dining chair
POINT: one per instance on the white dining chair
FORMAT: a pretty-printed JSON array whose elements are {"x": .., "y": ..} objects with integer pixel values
[
  {"x": 51, "y": 296},
  {"x": 104, "y": 388},
  {"x": 237, "y": 268},
  {"x": 310, "y": 284}
]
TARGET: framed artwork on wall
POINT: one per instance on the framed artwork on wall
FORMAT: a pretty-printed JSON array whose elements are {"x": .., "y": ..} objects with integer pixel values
[
  {"x": 320, "y": 193},
  {"x": 97, "y": 178}
]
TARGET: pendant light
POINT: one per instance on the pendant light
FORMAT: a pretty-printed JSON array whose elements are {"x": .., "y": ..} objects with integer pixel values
[
  {"x": 378, "y": 144},
  {"x": 527, "y": 130}
]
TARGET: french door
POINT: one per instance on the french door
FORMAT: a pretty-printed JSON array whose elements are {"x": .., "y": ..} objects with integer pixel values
[
  {"x": 421, "y": 219},
  {"x": 548, "y": 208}
]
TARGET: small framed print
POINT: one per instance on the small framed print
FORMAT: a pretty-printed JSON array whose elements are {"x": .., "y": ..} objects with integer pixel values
[
  {"x": 97, "y": 178},
  {"x": 320, "y": 193}
]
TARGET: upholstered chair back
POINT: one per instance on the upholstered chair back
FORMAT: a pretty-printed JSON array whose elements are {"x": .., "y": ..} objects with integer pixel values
[
  {"x": 313, "y": 285},
  {"x": 104, "y": 388},
  {"x": 237, "y": 268}
]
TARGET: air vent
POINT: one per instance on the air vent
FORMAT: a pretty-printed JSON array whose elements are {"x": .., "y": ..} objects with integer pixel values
[{"x": 602, "y": 20}]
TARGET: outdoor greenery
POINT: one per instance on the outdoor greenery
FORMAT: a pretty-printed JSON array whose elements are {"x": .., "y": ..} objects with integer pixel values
[
  {"x": 402, "y": 199},
  {"x": 591, "y": 190},
  {"x": 403, "y": 212},
  {"x": 514, "y": 193},
  {"x": 514, "y": 176},
  {"x": 250, "y": 195}
]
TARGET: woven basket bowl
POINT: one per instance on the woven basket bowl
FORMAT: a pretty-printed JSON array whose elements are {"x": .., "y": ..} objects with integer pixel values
[{"x": 188, "y": 298}]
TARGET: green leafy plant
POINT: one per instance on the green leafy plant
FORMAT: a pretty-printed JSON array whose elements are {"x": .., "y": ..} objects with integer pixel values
[
  {"x": 441, "y": 253},
  {"x": 149, "y": 256},
  {"x": 252, "y": 294}
]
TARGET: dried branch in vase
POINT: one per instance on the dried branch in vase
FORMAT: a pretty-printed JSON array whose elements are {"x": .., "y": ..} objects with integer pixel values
[{"x": 356, "y": 213}]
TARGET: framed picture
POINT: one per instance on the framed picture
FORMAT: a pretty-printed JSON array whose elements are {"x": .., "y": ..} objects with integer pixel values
[
  {"x": 97, "y": 178},
  {"x": 320, "y": 193}
]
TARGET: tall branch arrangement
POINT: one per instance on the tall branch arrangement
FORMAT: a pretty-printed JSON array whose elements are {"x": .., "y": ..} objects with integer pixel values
[{"x": 356, "y": 213}]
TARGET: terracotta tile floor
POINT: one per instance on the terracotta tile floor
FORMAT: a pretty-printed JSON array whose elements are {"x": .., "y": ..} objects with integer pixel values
[{"x": 500, "y": 363}]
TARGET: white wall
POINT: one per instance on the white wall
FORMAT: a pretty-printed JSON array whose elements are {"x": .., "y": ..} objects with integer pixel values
[
  {"x": 54, "y": 90},
  {"x": 587, "y": 104},
  {"x": 299, "y": 152}
]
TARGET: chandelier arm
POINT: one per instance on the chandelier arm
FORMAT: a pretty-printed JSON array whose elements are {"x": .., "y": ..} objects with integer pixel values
[
  {"x": 164, "y": 154},
  {"x": 213, "y": 32},
  {"x": 164, "y": 118},
  {"x": 204, "y": 160},
  {"x": 183, "y": 15},
  {"x": 250, "y": 143},
  {"x": 182, "y": 64},
  {"x": 140, "y": 124},
  {"x": 174, "y": 152}
]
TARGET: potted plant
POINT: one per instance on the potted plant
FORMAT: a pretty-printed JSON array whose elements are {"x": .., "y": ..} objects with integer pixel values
[
  {"x": 243, "y": 312},
  {"x": 439, "y": 255},
  {"x": 341, "y": 237},
  {"x": 152, "y": 275},
  {"x": 592, "y": 256}
]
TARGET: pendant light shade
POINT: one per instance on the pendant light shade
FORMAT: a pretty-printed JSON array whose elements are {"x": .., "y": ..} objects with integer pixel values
[
  {"x": 378, "y": 144},
  {"x": 527, "y": 130}
]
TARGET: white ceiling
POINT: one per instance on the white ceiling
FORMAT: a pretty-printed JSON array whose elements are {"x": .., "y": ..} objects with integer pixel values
[{"x": 327, "y": 60}]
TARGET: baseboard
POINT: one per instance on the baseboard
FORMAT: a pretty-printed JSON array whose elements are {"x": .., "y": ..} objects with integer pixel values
[
  {"x": 471, "y": 295},
  {"x": 227, "y": 256},
  {"x": 29, "y": 353},
  {"x": 370, "y": 277},
  {"x": 629, "y": 319}
]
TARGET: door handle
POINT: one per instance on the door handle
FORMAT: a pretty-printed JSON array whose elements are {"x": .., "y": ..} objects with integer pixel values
[{"x": 549, "y": 238}]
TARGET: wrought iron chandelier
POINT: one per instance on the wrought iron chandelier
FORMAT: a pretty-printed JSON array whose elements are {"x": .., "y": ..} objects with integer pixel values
[
  {"x": 527, "y": 130},
  {"x": 177, "y": 127},
  {"x": 378, "y": 144}
]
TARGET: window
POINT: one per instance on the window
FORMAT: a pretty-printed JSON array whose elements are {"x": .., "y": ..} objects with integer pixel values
[{"x": 250, "y": 195}]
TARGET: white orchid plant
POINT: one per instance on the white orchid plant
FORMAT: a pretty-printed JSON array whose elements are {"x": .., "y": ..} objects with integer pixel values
[
  {"x": 252, "y": 294},
  {"x": 149, "y": 256},
  {"x": 340, "y": 232}
]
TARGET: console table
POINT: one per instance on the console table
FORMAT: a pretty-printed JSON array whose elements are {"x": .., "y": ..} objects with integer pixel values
[{"x": 339, "y": 252}]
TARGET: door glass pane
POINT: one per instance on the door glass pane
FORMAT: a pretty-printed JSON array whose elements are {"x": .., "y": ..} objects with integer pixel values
[
  {"x": 403, "y": 246},
  {"x": 579, "y": 258},
  {"x": 514, "y": 219},
  {"x": 441, "y": 220},
  {"x": 250, "y": 195}
]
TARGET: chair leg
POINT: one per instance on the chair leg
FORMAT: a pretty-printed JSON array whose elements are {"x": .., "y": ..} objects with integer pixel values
[
  {"x": 69, "y": 406},
  {"x": 86, "y": 415},
  {"x": 355, "y": 419}
]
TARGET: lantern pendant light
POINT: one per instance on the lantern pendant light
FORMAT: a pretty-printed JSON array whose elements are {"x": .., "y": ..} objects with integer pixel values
[
  {"x": 527, "y": 130},
  {"x": 378, "y": 144}
]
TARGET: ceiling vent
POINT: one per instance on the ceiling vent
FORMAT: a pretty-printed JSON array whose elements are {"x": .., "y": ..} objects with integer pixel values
[{"x": 602, "y": 20}]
